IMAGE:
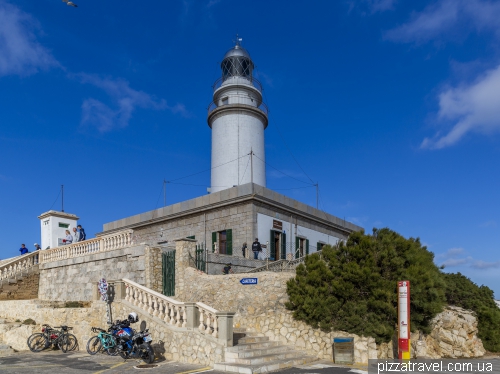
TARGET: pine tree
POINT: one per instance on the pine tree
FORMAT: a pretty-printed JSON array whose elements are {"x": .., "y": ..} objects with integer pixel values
[{"x": 352, "y": 287}]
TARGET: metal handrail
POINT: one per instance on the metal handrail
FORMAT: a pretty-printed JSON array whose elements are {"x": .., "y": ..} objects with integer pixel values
[
  {"x": 244, "y": 81},
  {"x": 263, "y": 107}
]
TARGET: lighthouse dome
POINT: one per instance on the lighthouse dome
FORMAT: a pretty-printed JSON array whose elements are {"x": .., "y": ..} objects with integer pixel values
[{"x": 237, "y": 63}]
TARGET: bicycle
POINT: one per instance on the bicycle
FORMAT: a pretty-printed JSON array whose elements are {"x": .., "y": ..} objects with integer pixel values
[
  {"x": 102, "y": 340},
  {"x": 50, "y": 336}
]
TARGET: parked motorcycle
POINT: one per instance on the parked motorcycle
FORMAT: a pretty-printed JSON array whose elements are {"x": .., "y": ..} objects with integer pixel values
[{"x": 137, "y": 345}]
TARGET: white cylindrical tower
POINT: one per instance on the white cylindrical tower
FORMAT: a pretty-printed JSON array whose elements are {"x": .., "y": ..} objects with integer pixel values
[{"x": 238, "y": 118}]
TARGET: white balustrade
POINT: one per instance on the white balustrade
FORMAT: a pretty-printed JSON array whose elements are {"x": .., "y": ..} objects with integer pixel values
[
  {"x": 10, "y": 268},
  {"x": 208, "y": 320},
  {"x": 111, "y": 242},
  {"x": 171, "y": 311}
]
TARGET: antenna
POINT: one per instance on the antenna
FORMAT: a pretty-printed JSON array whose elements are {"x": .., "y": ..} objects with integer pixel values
[
  {"x": 317, "y": 195},
  {"x": 62, "y": 197},
  {"x": 164, "y": 192}
]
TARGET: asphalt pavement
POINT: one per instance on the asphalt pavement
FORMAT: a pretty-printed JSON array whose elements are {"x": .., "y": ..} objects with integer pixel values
[{"x": 53, "y": 361}]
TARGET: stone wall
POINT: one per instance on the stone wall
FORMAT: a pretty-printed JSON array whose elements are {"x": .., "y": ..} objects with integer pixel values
[
  {"x": 72, "y": 279},
  {"x": 153, "y": 269},
  {"x": 239, "y": 218},
  {"x": 170, "y": 342},
  {"x": 173, "y": 343},
  {"x": 261, "y": 308},
  {"x": 24, "y": 288},
  {"x": 52, "y": 313}
]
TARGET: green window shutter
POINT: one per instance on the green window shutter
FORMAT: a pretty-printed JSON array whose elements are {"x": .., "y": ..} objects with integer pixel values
[
  {"x": 296, "y": 247},
  {"x": 191, "y": 237},
  {"x": 283, "y": 246},
  {"x": 307, "y": 246},
  {"x": 272, "y": 246},
  {"x": 214, "y": 240},
  {"x": 318, "y": 246},
  {"x": 229, "y": 242}
]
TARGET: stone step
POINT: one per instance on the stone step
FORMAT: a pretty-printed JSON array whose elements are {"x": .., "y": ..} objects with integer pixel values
[
  {"x": 300, "y": 359},
  {"x": 257, "y": 345},
  {"x": 262, "y": 359},
  {"x": 254, "y": 339},
  {"x": 246, "y": 353}
]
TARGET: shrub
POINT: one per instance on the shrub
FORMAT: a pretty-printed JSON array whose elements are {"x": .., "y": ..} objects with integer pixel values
[
  {"x": 462, "y": 292},
  {"x": 29, "y": 321},
  {"x": 352, "y": 287}
]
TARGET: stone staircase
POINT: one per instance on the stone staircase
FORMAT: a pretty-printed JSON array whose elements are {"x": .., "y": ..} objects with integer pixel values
[
  {"x": 21, "y": 286},
  {"x": 255, "y": 353}
]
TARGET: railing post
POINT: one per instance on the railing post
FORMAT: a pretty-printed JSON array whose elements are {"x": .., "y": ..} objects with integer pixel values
[
  {"x": 119, "y": 289},
  {"x": 225, "y": 325},
  {"x": 193, "y": 316}
]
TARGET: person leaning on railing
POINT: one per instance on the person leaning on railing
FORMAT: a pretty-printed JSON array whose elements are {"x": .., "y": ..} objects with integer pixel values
[{"x": 69, "y": 238}]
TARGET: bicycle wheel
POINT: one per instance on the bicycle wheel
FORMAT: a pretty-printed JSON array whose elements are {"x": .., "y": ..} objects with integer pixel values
[
  {"x": 37, "y": 342},
  {"x": 147, "y": 353},
  {"x": 67, "y": 342},
  {"x": 94, "y": 345},
  {"x": 111, "y": 346}
]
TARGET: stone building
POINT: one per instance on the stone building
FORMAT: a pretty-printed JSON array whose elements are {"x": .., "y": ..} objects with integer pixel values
[
  {"x": 227, "y": 219},
  {"x": 239, "y": 208}
]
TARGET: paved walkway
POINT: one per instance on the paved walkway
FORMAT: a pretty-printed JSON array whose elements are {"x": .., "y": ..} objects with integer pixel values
[{"x": 81, "y": 362}]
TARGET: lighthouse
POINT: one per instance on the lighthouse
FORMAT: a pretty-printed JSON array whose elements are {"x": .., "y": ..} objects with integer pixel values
[{"x": 238, "y": 117}]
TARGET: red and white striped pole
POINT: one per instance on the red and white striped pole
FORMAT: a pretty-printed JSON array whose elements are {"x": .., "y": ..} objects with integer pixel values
[{"x": 404, "y": 320}]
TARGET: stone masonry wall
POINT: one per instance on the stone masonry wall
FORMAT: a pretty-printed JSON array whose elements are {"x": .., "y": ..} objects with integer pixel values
[
  {"x": 261, "y": 308},
  {"x": 153, "y": 268},
  {"x": 72, "y": 279},
  {"x": 24, "y": 289},
  {"x": 52, "y": 313},
  {"x": 170, "y": 342},
  {"x": 238, "y": 218}
]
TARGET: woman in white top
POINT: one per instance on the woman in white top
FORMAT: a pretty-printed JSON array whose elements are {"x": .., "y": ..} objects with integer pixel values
[{"x": 69, "y": 238}]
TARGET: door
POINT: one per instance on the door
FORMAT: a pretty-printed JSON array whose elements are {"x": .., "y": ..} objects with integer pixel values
[{"x": 168, "y": 273}]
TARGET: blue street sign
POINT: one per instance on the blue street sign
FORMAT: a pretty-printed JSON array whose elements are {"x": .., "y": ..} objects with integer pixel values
[{"x": 249, "y": 281}]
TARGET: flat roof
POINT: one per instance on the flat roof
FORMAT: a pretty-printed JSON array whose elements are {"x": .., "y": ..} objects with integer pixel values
[{"x": 249, "y": 192}]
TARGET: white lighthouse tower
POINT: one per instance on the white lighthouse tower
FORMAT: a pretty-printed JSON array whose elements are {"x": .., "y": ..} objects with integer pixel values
[{"x": 238, "y": 118}]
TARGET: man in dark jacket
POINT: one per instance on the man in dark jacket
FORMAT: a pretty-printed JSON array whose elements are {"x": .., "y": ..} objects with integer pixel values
[
  {"x": 256, "y": 248},
  {"x": 82, "y": 233}
]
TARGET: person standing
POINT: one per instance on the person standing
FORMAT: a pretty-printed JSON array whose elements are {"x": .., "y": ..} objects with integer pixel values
[
  {"x": 23, "y": 249},
  {"x": 227, "y": 269},
  {"x": 256, "y": 249},
  {"x": 69, "y": 238},
  {"x": 244, "y": 249},
  {"x": 83, "y": 236},
  {"x": 37, "y": 248},
  {"x": 76, "y": 235}
]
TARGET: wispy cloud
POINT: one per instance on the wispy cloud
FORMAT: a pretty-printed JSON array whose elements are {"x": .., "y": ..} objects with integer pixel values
[
  {"x": 381, "y": 5},
  {"x": 447, "y": 18},
  {"x": 125, "y": 100},
  {"x": 473, "y": 107},
  {"x": 485, "y": 265},
  {"x": 455, "y": 257},
  {"x": 488, "y": 224},
  {"x": 20, "y": 52}
]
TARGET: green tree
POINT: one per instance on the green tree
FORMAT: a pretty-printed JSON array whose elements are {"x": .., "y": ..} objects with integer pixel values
[
  {"x": 462, "y": 292},
  {"x": 352, "y": 287}
]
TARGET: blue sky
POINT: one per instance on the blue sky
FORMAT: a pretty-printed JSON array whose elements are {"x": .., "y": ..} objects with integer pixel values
[{"x": 393, "y": 107}]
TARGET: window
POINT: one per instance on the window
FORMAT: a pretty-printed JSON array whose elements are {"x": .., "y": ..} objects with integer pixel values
[
  {"x": 222, "y": 242},
  {"x": 301, "y": 247},
  {"x": 191, "y": 237},
  {"x": 63, "y": 225},
  {"x": 320, "y": 246}
]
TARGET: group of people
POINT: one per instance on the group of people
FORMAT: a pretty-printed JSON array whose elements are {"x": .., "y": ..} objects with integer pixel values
[{"x": 78, "y": 235}]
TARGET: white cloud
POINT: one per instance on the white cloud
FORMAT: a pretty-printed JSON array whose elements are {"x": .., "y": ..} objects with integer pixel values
[
  {"x": 382, "y": 5},
  {"x": 473, "y": 107},
  {"x": 125, "y": 99},
  {"x": 455, "y": 257},
  {"x": 448, "y": 16},
  {"x": 485, "y": 265},
  {"x": 488, "y": 224},
  {"x": 20, "y": 52}
]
